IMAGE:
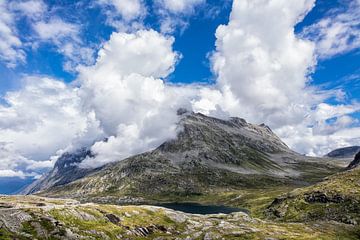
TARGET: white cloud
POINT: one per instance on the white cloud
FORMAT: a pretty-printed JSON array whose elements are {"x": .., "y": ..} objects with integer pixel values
[
  {"x": 11, "y": 51},
  {"x": 66, "y": 37},
  {"x": 128, "y": 9},
  {"x": 32, "y": 8},
  {"x": 47, "y": 27},
  {"x": 174, "y": 13},
  {"x": 56, "y": 29},
  {"x": 180, "y": 6},
  {"x": 338, "y": 33},
  {"x": 125, "y": 15}
]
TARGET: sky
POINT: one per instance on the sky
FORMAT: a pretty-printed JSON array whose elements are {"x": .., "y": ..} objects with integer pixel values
[{"x": 73, "y": 73}]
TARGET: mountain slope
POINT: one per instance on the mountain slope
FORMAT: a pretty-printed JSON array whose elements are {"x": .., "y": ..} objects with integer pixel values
[{"x": 208, "y": 154}]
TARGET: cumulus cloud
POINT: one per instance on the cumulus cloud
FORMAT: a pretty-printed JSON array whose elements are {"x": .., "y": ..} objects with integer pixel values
[
  {"x": 11, "y": 51},
  {"x": 337, "y": 33},
  {"x": 261, "y": 63}
]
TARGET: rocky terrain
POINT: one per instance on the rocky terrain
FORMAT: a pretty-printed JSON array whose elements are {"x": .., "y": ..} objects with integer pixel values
[
  {"x": 29, "y": 217},
  {"x": 208, "y": 156}
]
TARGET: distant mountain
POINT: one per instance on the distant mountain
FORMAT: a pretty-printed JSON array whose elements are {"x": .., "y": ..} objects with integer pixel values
[
  {"x": 208, "y": 154},
  {"x": 346, "y": 152},
  {"x": 66, "y": 170}
]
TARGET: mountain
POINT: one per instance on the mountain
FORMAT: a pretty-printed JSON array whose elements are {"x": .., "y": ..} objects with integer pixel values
[
  {"x": 346, "y": 152},
  {"x": 208, "y": 155},
  {"x": 64, "y": 171}
]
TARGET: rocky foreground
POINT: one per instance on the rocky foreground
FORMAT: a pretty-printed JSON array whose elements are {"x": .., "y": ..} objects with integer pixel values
[{"x": 33, "y": 217}]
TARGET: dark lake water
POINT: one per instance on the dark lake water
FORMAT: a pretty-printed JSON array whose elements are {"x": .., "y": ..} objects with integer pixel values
[{"x": 195, "y": 208}]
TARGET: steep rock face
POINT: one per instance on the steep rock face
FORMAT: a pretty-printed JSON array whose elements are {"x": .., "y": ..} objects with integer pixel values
[
  {"x": 347, "y": 152},
  {"x": 208, "y": 153},
  {"x": 66, "y": 170},
  {"x": 356, "y": 162}
]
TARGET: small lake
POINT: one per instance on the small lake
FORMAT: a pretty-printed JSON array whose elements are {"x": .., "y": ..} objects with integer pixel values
[{"x": 195, "y": 208}]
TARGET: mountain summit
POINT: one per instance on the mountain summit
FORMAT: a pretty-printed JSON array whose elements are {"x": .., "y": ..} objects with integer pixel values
[{"x": 208, "y": 154}]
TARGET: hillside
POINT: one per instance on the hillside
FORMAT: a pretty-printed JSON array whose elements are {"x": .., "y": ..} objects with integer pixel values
[
  {"x": 336, "y": 198},
  {"x": 208, "y": 155}
]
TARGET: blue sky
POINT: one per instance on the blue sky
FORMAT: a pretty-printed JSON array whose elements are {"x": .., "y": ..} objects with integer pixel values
[{"x": 49, "y": 66}]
